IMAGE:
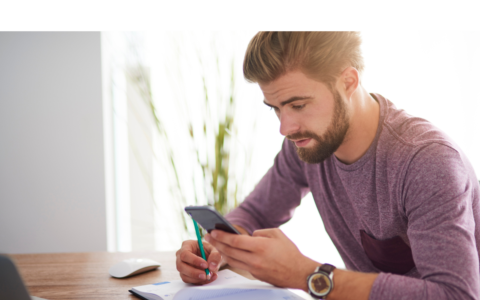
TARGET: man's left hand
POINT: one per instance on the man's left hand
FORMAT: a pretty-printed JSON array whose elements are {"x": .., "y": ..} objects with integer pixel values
[{"x": 268, "y": 255}]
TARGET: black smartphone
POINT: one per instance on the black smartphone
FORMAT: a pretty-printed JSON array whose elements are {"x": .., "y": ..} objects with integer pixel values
[{"x": 210, "y": 219}]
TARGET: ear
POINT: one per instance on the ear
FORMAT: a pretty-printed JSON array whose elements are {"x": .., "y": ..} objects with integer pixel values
[{"x": 350, "y": 79}]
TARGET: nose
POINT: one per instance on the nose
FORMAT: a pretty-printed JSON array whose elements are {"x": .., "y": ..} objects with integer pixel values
[{"x": 288, "y": 125}]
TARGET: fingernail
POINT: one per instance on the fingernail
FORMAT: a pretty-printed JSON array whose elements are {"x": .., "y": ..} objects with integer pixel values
[
  {"x": 203, "y": 265},
  {"x": 214, "y": 234},
  {"x": 213, "y": 266},
  {"x": 207, "y": 238},
  {"x": 202, "y": 276}
]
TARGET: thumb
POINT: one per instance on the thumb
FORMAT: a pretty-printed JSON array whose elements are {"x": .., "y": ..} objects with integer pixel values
[{"x": 214, "y": 259}]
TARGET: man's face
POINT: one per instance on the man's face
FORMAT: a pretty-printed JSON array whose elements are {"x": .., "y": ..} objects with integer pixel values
[{"x": 313, "y": 118}]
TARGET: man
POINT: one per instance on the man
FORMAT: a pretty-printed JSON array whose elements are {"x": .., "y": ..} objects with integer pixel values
[{"x": 398, "y": 198}]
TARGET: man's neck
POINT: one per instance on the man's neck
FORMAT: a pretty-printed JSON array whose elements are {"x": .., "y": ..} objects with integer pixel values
[{"x": 365, "y": 113}]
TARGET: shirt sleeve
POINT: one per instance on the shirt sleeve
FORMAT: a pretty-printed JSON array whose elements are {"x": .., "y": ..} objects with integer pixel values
[
  {"x": 276, "y": 196},
  {"x": 440, "y": 195}
]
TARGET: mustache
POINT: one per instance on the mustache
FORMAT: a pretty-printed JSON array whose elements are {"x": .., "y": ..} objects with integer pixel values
[{"x": 302, "y": 136}]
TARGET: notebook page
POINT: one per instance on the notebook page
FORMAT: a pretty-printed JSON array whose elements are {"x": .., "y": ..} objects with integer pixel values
[
  {"x": 167, "y": 290},
  {"x": 228, "y": 284},
  {"x": 233, "y": 286},
  {"x": 236, "y": 294},
  {"x": 161, "y": 291}
]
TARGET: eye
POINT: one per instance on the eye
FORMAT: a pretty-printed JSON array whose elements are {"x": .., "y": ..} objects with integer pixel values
[
  {"x": 273, "y": 108},
  {"x": 298, "y": 107}
]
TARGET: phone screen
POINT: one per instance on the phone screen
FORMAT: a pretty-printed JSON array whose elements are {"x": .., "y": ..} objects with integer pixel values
[{"x": 210, "y": 219}]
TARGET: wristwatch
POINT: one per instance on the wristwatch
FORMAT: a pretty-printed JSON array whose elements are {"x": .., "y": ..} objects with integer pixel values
[{"x": 320, "y": 282}]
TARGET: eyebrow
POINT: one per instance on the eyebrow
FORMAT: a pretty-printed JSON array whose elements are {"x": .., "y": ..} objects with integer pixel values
[{"x": 283, "y": 103}]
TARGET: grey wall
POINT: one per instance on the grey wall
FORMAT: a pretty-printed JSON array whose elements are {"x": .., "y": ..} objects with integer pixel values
[{"x": 52, "y": 190}]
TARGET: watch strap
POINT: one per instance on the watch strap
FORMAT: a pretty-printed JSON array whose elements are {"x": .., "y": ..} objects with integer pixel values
[{"x": 327, "y": 268}]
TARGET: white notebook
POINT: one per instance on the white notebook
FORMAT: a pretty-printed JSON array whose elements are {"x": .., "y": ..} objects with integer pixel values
[{"x": 229, "y": 285}]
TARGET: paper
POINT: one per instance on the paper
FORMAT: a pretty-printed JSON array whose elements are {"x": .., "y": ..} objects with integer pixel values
[
  {"x": 236, "y": 294},
  {"x": 229, "y": 285}
]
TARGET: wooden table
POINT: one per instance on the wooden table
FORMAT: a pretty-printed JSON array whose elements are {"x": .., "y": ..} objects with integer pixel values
[{"x": 85, "y": 275}]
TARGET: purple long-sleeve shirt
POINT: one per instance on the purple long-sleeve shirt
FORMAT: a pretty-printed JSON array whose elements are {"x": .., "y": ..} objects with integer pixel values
[{"x": 407, "y": 209}]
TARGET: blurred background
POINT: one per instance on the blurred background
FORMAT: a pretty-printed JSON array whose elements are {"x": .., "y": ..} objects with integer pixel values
[{"x": 105, "y": 137}]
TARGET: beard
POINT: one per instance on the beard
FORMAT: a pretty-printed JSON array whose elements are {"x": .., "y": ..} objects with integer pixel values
[{"x": 329, "y": 142}]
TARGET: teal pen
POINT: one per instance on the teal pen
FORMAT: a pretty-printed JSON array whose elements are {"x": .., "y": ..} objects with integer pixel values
[{"x": 200, "y": 244}]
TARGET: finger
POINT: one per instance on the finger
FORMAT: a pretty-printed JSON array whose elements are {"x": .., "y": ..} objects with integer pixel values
[
  {"x": 224, "y": 249},
  {"x": 209, "y": 248},
  {"x": 214, "y": 260},
  {"x": 196, "y": 275},
  {"x": 192, "y": 246},
  {"x": 212, "y": 241},
  {"x": 268, "y": 233},
  {"x": 235, "y": 253},
  {"x": 187, "y": 256},
  {"x": 238, "y": 241},
  {"x": 188, "y": 279},
  {"x": 214, "y": 277},
  {"x": 197, "y": 281},
  {"x": 232, "y": 262}
]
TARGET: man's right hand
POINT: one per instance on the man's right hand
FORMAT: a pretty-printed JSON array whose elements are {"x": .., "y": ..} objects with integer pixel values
[{"x": 192, "y": 266}]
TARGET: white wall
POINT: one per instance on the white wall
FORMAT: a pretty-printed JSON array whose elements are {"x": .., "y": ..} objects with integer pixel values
[{"x": 52, "y": 187}]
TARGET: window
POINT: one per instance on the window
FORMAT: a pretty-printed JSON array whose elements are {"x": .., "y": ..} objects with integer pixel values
[{"x": 159, "y": 83}]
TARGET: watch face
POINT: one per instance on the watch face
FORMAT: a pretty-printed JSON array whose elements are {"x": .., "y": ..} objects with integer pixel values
[{"x": 319, "y": 284}]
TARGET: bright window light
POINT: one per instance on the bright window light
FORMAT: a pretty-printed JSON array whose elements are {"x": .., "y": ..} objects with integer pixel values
[{"x": 432, "y": 75}]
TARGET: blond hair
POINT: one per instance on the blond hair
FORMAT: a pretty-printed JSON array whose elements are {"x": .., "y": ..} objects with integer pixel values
[{"x": 320, "y": 55}]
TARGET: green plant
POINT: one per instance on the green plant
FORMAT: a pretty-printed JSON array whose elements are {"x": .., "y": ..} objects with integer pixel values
[
  {"x": 209, "y": 129},
  {"x": 219, "y": 169}
]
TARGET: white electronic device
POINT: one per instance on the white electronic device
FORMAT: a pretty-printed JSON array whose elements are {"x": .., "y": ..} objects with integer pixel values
[{"x": 132, "y": 266}]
